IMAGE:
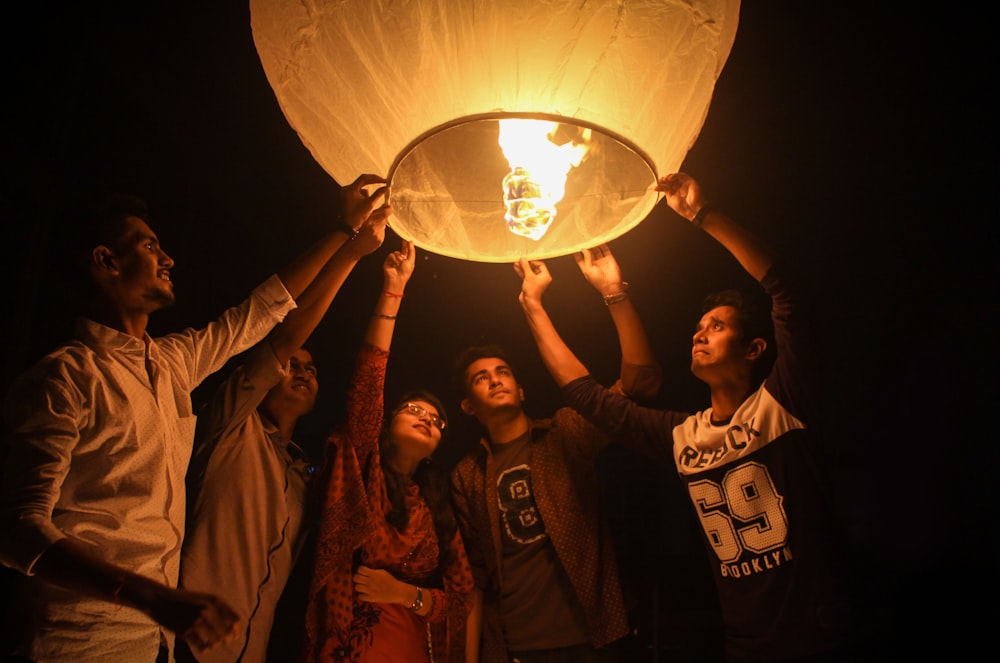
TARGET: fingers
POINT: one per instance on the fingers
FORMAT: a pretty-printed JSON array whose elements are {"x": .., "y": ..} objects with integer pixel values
[
  {"x": 375, "y": 195},
  {"x": 366, "y": 179},
  {"x": 403, "y": 259},
  {"x": 519, "y": 267},
  {"x": 407, "y": 250},
  {"x": 586, "y": 258},
  {"x": 534, "y": 269},
  {"x": 371, "y": 206},
  {"x": 216, "y": 623},
  {"x": 361, "y": 575}
]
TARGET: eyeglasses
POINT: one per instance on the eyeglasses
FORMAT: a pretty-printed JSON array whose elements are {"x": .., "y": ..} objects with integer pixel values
[{"x": 418, "y": 411}]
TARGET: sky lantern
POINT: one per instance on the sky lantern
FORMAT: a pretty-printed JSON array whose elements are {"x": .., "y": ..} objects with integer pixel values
[{"x": 506, "y": 128}]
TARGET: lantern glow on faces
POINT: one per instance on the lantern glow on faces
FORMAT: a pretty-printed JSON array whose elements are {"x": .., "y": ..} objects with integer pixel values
[{"x": 506, "y": 128}]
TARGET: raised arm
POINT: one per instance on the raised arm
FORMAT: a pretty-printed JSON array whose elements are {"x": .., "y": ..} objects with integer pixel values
[
  {"x": 290, "y": 335},
  {"x": 357, "y": 205},
  {"x": 562, "y": 364},
  {"x": 601, "y": 269},
  {"x": 396, "y": 270},
  {"x": 685, "y": 196},
  {"x": 641, "y": 374}
]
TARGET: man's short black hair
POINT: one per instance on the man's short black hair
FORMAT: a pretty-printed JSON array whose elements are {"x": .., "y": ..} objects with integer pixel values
[
  {"x": 754, "y": 319},
  {"x": 472, "y": 354},
  {"x": 97, "y": 220}
]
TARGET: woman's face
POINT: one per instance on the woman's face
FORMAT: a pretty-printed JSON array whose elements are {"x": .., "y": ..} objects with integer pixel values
[{"x": 416, "y": 429}]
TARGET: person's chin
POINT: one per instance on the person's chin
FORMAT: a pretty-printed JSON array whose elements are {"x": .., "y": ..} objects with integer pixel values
[
  {"x": 164, "y": 298},
  {"x": 507, "y": 403}
]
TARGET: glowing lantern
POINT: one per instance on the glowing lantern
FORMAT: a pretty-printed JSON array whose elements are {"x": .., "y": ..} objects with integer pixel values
[{"x": 424, "y": 92}]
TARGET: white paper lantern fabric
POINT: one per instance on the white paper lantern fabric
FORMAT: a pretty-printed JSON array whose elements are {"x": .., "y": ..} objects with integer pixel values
[{"x": 415, "y": 90}]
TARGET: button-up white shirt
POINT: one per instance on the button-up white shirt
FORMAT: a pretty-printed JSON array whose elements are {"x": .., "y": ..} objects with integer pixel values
[{"x": 98, "y": 452}]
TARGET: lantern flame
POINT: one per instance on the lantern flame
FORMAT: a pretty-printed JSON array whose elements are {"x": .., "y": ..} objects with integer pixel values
[{"x": 539, "y": 167}]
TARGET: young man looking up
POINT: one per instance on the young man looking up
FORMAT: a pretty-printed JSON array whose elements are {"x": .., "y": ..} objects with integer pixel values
[
  {"x": 749, "y": 461},
  {"x": 527, "y": 502}
]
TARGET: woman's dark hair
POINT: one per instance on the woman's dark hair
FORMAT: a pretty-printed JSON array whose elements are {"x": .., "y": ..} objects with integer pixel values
[{"x": 430, "y": 477}]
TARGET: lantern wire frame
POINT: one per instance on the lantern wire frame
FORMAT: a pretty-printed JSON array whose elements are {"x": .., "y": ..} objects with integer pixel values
[
  {"x": 357, "y": 79},
  {"x": 447, "y": 196}
]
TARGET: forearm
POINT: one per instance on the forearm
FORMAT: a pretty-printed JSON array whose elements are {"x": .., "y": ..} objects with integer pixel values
[
  {"x": 562, "y": 364},
  {"x": 383, "y": 321},
  {"x": 748, "y": 250},
  {"x": 632, "y": 338},
  {"x": 300, "y": 323},
  {"x": 303, "y": 270},
  {"x": 69, "y": 565},
  {"x": 474, "y": 628}
]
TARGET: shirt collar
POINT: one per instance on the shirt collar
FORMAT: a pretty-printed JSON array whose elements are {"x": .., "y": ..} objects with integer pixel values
[{"x": 102, "y": 337}]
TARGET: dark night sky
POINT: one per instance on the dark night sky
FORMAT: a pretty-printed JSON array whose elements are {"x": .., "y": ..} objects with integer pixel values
[{"x": 847, "y": 136}]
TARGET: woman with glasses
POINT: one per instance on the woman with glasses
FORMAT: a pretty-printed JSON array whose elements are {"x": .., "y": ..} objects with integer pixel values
[{"x": 391, "y": 581}]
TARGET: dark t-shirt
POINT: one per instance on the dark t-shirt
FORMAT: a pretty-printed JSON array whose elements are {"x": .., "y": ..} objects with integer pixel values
[
  {"x": 535, "y": 583},
  {"x": 760, "y": 493}
]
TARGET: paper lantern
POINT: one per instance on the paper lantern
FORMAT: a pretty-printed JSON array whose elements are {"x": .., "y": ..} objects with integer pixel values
[{"x": 417, "y": 91}]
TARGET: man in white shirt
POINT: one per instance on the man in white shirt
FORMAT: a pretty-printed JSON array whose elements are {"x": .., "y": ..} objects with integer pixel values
[
  {"x": 92, "y": 506},
  {"x": 248, "y": 479}
]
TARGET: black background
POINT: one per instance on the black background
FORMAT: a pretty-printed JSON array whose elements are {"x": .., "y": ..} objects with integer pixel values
[{"x": 854, "y": 137}]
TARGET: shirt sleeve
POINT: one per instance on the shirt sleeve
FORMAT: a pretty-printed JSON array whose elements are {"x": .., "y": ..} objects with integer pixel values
[
  {"x": 639, "y": 382},
  {"x": 455, "y": 600},
  {"x": 467, "y": 528},
  {"x": 233, "y": 402},
  {"x": 642, "y": 429},
  {"x": 365, "y": 403},
  {"x": 43, "y": 412},
  {"x": 793, "y": 377},
  {"x": 451, "y": 606},
  {"x": 197, "y": 353}
]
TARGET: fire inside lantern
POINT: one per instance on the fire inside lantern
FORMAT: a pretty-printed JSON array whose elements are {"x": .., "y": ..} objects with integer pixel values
[{"x": 539, "y": 167}]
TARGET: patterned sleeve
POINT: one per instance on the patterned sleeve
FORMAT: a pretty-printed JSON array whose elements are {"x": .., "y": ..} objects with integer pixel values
[
  {"x": 793, "y": 378},
  {"x": 365, "y": 403},
  {"x": 451, "y": 606},
  {"x": 346, "y": 517},
  {"x": 460, "y": 494}
]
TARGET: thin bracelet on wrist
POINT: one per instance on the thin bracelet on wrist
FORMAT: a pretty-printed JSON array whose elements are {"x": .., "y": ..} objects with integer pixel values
[
  {"x": 345, "y": 227},
  {"x": 619, "y": 296}
]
